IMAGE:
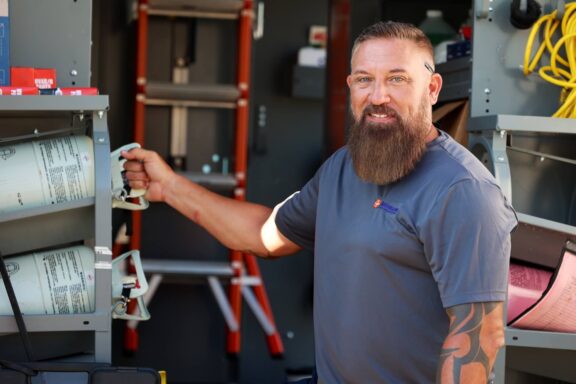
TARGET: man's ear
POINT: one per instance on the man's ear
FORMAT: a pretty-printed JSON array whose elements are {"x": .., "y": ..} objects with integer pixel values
[
  {"x": 435, "y": 87},
  {"x": 349, "y": 80}
]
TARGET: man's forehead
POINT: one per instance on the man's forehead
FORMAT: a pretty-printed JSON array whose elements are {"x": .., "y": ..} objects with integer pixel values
[
  {"x": 399, "y": 46},
  {"x": 395, "y": 54}
]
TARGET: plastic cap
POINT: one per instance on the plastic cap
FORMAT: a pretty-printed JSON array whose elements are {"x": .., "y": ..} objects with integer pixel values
[{"x": 433, "y": 13}]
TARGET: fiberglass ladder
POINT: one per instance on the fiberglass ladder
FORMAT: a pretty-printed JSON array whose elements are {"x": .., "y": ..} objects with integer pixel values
[{"x": 242, "y": 270}]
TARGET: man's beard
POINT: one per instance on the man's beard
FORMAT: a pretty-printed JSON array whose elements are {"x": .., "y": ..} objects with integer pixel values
[{"x": 385, "y": 153}]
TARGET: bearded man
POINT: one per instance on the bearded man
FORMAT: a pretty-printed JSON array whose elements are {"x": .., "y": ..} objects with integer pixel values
[{"x": 410, "y": 232}]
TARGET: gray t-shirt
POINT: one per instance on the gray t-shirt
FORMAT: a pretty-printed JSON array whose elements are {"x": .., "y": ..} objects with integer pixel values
[{"x": 390, "y": 259}]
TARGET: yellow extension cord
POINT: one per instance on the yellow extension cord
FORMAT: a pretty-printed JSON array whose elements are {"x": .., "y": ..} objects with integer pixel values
[{"x": 562, "y": 70}]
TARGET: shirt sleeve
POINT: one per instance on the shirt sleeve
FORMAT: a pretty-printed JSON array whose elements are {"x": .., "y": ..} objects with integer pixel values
[
  {"x": 296, "y": 219},
  {"x": 466, "y": 240}
]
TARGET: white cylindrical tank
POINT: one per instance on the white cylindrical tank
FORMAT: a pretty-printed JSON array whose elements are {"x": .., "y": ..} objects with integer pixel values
[
  {"x": 61, "y": 281},
  {"x": 51, "y": 283},
  {"x": 45, "y": 172}
]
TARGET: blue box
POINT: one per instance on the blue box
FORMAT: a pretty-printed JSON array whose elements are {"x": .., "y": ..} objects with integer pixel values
[
  {"x": 4, "y": 44},
  {"x": 458, "y": 49}
]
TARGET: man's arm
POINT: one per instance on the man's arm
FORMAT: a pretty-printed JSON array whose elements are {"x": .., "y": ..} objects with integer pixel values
[
  {"x": 236, "y": 224},
  {"x": 469, "y": 351}
]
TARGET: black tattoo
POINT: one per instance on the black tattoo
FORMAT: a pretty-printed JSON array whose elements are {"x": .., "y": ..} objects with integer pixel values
[{"x": 466, "y": 320}]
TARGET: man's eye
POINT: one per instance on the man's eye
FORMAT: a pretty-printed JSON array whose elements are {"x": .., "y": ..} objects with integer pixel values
[
  {"x": 363, "y": 79},
  {"x": 397, "y": 79}
]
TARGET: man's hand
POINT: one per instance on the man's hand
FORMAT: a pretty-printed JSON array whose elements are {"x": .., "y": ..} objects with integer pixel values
[
  {"x": 147, "y": 170},
  {"x": 475, "y": 336}
]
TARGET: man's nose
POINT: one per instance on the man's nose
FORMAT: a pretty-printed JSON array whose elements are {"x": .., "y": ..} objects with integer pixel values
[{"x": 380, "y": 94}]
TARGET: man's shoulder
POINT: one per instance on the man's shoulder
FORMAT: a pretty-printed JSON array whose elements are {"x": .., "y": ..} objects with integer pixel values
[
  {"x": 457, "y": 162},
  {"x": 337, "y": 160},
  {"x": 340, "y": 154}
]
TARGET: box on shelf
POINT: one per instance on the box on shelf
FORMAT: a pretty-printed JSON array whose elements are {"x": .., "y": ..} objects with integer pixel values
[
  {"x": 458, "y": 49},
  {"x": 18, "y": 91},
  {"x": 33, "y": 77},
  {"x": 69, "y": 91},
  {"x": 312, "y": 57},
  {"x": 4, "y": 44},
  {"x": 317, "y": 35},
  {"x": 452, "y": 118}
]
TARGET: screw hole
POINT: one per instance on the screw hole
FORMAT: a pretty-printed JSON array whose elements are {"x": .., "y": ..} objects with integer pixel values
[
  {"x": 86, "y": 322},
  {"x": 73, "y": 83},
  {"x": 487, "y": 111},
  {"x": 487, "y": 100},
  {"x": 514, "y": 337},
  {"x": 490, "y": 20}
]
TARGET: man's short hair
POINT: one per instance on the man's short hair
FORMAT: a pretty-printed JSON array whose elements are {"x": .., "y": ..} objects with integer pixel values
[{"x": 394, "y": 30}]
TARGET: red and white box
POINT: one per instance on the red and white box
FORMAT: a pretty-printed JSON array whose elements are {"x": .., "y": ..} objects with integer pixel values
[
  {"x": 70, "y": 91},
  {"x": 41, "y": 78},
  {"x": 18, "y": 91}
]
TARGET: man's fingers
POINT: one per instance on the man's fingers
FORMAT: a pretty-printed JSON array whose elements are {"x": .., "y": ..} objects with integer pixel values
[
  {"x": 134, "y": 166},
  {"x": 139, "y": 184},
  {"x": 138, "y": 154},
  {"x": 128, "y": 155},
  {"x": 136, "y": 176}
]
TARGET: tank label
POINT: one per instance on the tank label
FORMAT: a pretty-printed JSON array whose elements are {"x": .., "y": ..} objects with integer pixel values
[
  {"x": 69, "y": 282},
  {"x": 46, "y": 172},
  {"x": 52, "y": 282}
]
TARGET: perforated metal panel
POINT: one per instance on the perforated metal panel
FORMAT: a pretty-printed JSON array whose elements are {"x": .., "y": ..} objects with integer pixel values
[
  {"x": 53, "y": 34},
  {"x": 498, "y": 84}
]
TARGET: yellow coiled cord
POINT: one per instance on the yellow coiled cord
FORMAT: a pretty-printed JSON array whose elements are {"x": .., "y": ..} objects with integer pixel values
[{"x": 562, "y": 70}]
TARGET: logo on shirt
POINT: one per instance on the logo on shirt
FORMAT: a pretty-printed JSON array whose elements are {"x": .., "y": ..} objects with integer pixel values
[{"x": 385, "y": 206}]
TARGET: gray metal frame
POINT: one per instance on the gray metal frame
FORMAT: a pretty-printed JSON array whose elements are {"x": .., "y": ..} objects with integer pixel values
[
  {"x": 547, "y": 236},
  {"x": 53, "y": 34}
]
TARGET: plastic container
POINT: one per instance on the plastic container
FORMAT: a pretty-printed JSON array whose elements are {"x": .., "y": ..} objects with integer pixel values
[{"x": 436, "y": 28}]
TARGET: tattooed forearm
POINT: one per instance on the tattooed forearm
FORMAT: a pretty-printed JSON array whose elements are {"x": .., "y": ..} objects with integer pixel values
[{"x": 474, "y": 337}]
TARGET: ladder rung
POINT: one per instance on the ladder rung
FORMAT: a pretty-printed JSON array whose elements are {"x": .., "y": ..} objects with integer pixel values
[
  {"x": 212, "y": 180},
  {"x": 203, "y": 6},
  {"x": 204, "y": 92},
  {"x": 192, "y": 14},
  {"x": 187, "y": 267},
  {"x": 189, "y": 103}
]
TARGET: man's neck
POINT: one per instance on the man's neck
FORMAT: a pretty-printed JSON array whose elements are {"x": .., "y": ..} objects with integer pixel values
[{"x": 432, "y": 133}]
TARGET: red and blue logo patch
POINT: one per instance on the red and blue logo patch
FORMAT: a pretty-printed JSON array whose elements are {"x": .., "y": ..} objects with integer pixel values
[{"x": 385, "y": 206}]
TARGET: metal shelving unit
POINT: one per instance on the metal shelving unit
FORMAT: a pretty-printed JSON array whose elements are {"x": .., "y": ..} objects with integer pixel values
[
  {"x": 65, "y": 45},
  {"x": 86, "y": 221},
  {"x": 532, "y": 157}
]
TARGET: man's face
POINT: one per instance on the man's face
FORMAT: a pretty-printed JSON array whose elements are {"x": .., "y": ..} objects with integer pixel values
[{"x": 391, "y": 94}]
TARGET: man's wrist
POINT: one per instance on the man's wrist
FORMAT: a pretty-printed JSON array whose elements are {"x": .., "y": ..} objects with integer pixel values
[{"x": 170, "y": 187}]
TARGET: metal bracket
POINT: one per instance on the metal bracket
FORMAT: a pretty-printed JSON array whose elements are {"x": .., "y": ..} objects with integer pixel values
[
  {"x": 482, "y": 8},
  {"x": 258, "y": 31},
  {"x": 561, "y": 8},
  {"x": 493, "y": 144}
]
